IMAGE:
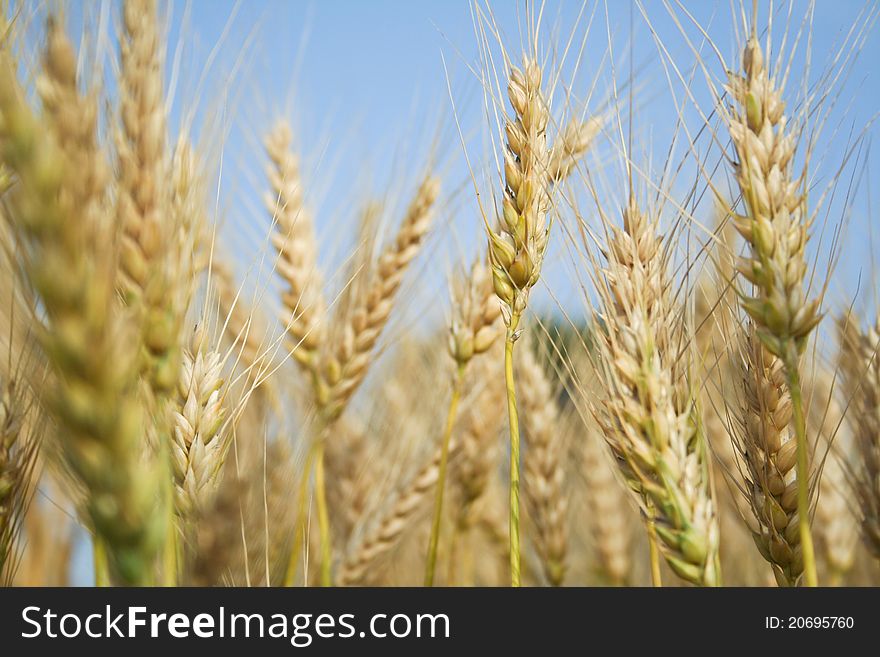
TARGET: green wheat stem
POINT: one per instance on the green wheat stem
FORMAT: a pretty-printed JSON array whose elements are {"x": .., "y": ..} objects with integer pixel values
[
  {"x": 99, "y": 559},
  {"x": 323, "y": 515},
  {"x": 654, "y": 549},
  {"x": 514, "y": 452},
  {"x": 431, "y": 563}
]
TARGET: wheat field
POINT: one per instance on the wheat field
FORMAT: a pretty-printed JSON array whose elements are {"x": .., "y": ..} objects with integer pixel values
[{"x": 599, "y": 327}]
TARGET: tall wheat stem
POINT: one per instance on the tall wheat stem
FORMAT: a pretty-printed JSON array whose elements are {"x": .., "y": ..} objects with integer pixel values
[
  {"x": 514, "y": 451},
  {"x": 323, "y": 514},
  {"x": 654, "y": 550},
  {"x": 99, "y": 561},
  {"x": 431, "y": 564}
]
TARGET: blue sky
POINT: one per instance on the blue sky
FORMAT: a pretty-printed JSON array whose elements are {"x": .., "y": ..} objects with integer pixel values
[{"x": 365, "y": 85}]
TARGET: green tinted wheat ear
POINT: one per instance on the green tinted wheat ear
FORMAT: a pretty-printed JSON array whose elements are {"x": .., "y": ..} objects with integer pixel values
[
  {"x": 860, "y": 370},
  {"x": 93, "y": 394},
  {"x": 294, "y": 238},
  {"x": 776, "y": 229},
  {"x": 149, "y": 270},
  {"x": 544, "y": 489},
  {"x": 516, "y": 251},
  {"x": 649, "y": 416}
]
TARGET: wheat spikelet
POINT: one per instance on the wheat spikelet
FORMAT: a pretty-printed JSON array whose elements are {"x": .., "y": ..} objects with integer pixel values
[
  {"x": 94, "y": 392},
  {"x": 294, "y": 239},
  {"x": 544, "y": 476},
  {"x": 648, "y": 416},
  {"x": 474, "y": 326},
  {"x": 576, "y": 138},
  {"x": 199, "y": 445},
  {"x": 860, "y": 370},
  {"x": 379, "y": 541}
]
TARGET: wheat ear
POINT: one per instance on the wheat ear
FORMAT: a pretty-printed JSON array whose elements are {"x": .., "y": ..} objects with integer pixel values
[
  {"x": 294, "y": 239},
  {"x": 472, "y": 332},
  {"x": 150, "y": 273},
  {"x": 860, "y": 370},
  {"x": 649, "y": 416},
  {"x": 346, "y": 367},
  {"x": 545, "y": 492},
  {"x": 377, "y": 543},
  {"x": 776, "y": 228},
  {"x": 94, "y": 394},
  {"x": 199, "y": 443},
  {"x": 606, "y": 505},
  {"x": 837, "y": 529},
  {"x": 516, "y": 251}
]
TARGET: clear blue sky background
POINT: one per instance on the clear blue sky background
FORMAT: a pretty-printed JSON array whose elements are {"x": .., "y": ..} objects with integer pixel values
[{"x": 365, "y": 86}]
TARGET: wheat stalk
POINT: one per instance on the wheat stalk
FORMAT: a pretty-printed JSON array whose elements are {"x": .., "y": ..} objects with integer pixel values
[
  {"x": 471, "y": 332},
  {"x": 94, "y": 397},
  {"x": 776, "y": 229}
]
